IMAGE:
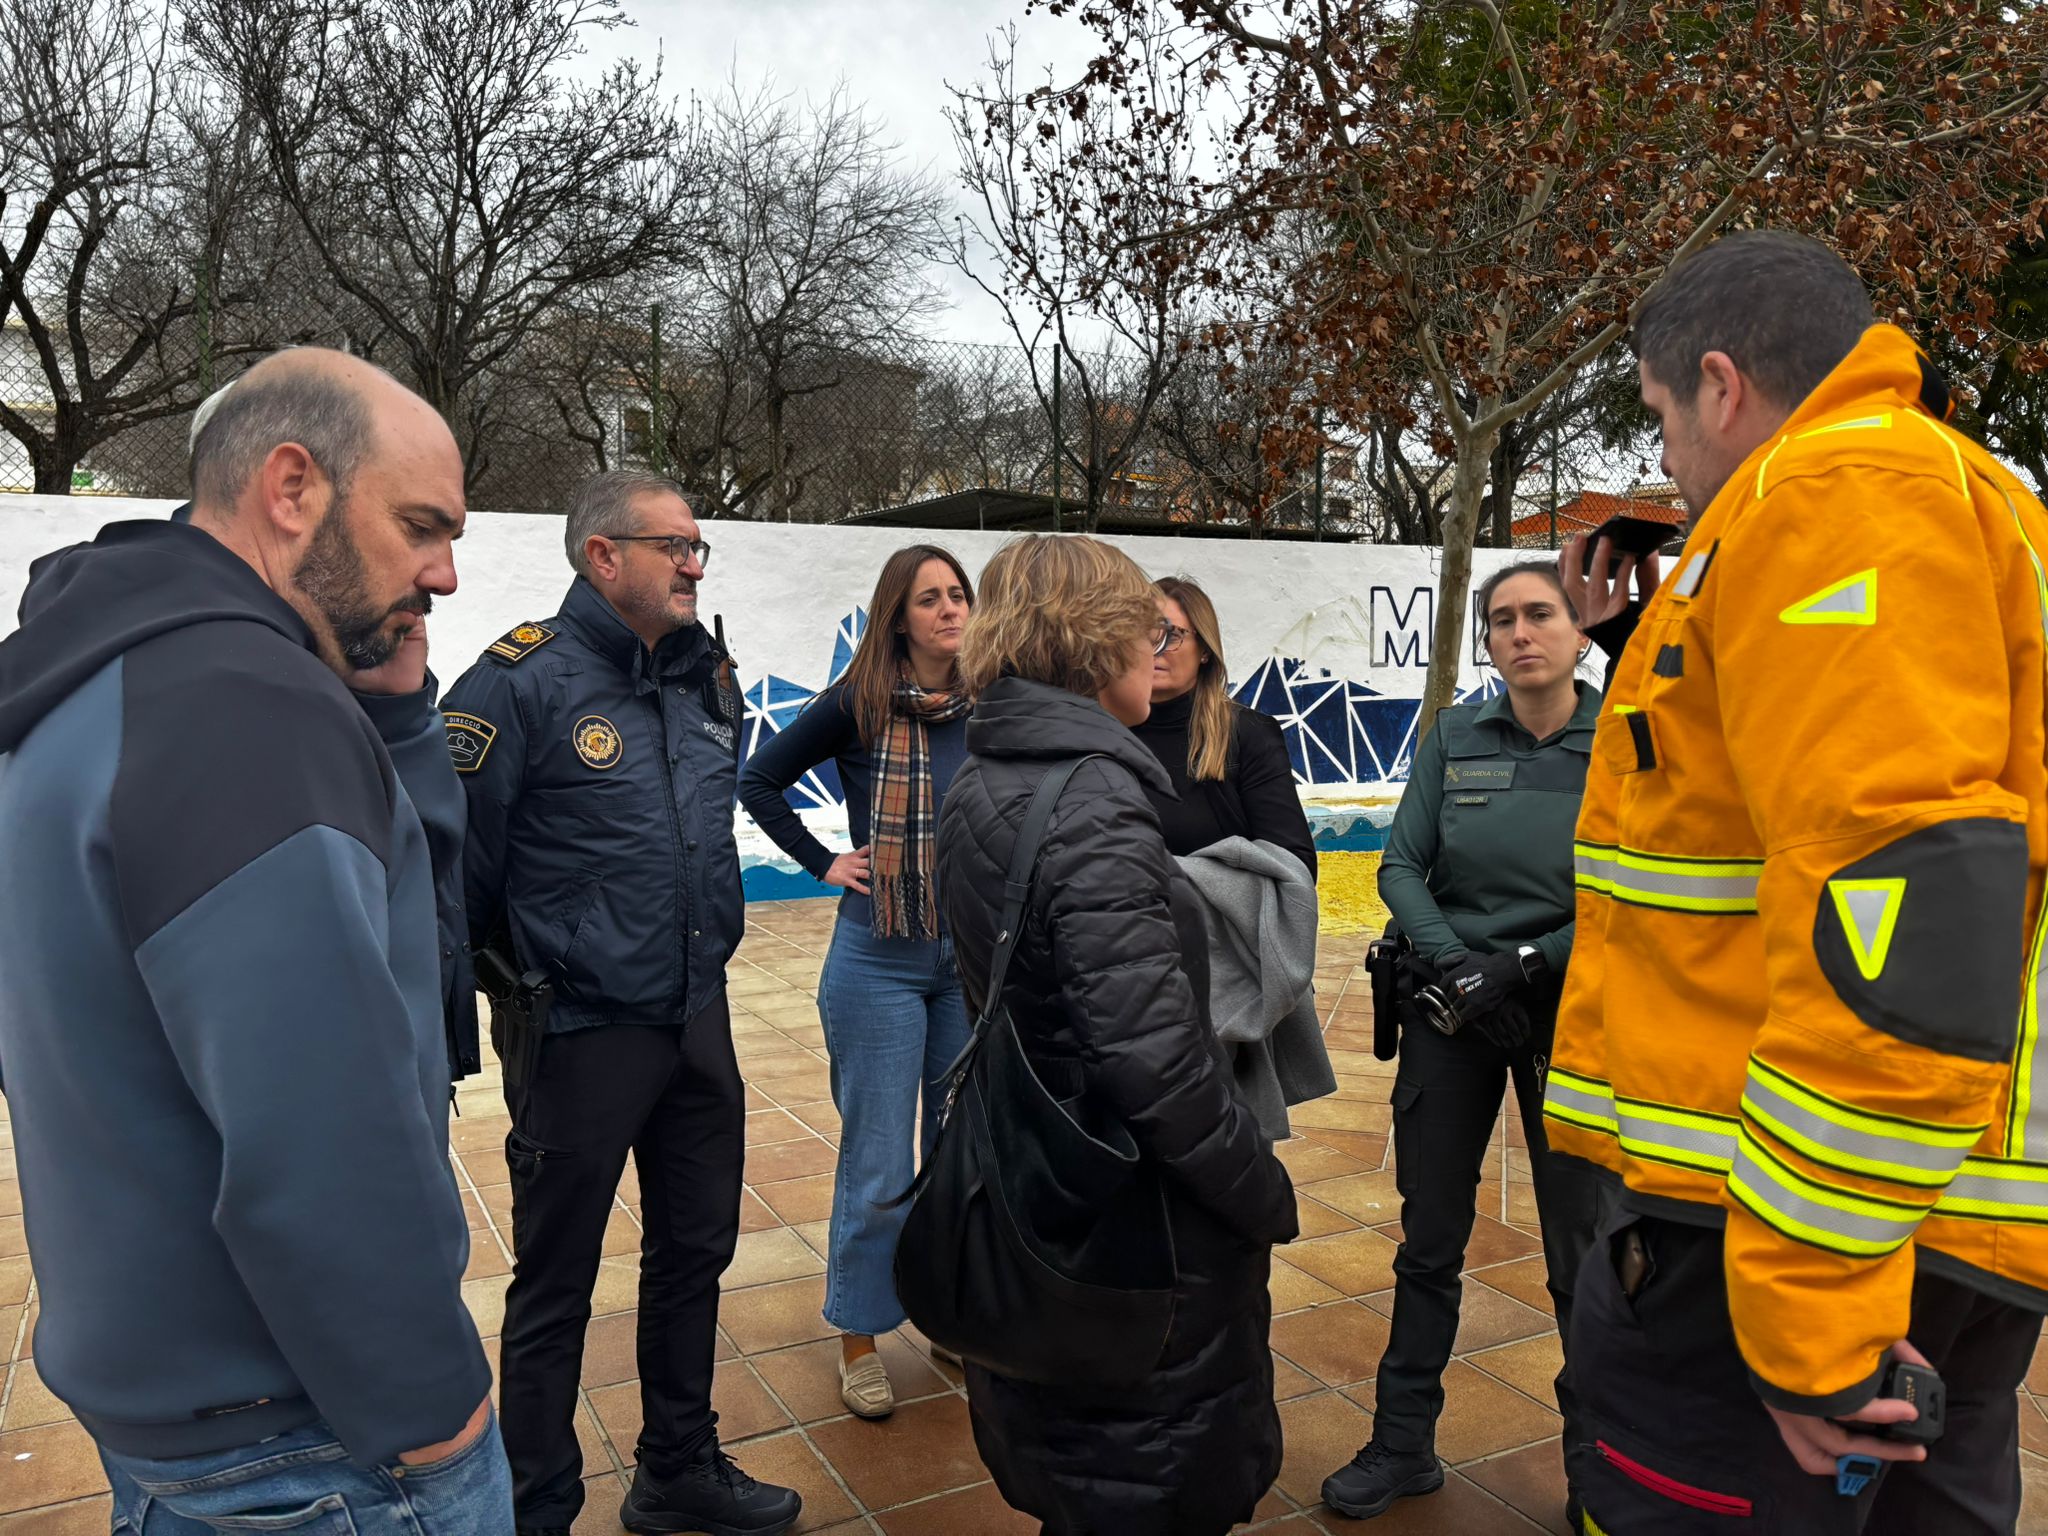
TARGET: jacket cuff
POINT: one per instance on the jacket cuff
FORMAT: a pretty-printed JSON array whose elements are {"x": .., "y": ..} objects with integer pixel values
[{"x": 1848, "y": 1400}]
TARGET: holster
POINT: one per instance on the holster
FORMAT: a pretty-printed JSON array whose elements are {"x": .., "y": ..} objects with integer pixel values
[
  {"x": 1397, "y": 973},
  {"x": 519, "y": 1014}
]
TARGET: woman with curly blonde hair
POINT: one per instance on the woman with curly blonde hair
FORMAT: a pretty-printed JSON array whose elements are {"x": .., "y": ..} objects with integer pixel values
[{"x": 1108, "y": 991}]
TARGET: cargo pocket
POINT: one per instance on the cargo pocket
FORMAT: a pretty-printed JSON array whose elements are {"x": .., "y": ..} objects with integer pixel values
[
  {"x": 1628, "y": 1488},
  {"x": 1625, "y": 740}
]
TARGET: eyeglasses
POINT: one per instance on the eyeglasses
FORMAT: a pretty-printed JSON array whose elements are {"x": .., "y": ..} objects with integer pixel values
[
  {"x": 680, "y": 549},
  {"x": 1167, "y": 637}
]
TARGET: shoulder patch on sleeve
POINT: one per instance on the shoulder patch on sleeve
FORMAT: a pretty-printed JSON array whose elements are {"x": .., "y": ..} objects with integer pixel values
[
  {"x": 469, "y": 739},
  {"x": 519, "y": 642}
]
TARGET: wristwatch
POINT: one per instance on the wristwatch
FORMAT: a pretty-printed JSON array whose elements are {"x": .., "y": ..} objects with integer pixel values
[{"x": 1534, "y": 968}]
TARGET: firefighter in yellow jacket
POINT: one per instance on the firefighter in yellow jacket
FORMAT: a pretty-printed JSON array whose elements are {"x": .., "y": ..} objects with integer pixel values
[{"x": 1802, "y": 1017}]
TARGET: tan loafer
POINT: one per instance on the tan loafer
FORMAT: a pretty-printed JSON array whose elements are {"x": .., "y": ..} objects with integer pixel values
[{"x": 864, "y": 1387}]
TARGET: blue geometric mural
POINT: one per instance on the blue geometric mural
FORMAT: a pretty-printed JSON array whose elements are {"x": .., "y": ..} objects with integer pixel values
[{"x": 1339, "y": 731}]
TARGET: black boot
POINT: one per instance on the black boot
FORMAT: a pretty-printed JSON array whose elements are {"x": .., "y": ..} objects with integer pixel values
[
  {"x": 1376, "y": 1476},
  {"x": 712, "y": 1496}
]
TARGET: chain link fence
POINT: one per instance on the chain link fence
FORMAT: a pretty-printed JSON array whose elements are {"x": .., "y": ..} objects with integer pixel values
[{"x": 813, "y": 432}]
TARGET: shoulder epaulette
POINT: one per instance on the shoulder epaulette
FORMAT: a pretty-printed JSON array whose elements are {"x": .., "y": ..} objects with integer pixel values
[{"x": 516, "y": 644}]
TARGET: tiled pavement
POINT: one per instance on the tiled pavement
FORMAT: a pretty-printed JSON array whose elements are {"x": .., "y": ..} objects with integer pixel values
[{"x": 917, "y": 1474}]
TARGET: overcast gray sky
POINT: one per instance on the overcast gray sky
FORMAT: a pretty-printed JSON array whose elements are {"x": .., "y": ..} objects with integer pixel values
[{"x": 897, "y": 56}]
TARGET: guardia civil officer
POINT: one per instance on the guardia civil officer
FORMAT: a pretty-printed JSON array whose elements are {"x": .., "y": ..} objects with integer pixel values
[
  {"x": 1478, "y": 873},
  {"x": 600, "y": 751}
]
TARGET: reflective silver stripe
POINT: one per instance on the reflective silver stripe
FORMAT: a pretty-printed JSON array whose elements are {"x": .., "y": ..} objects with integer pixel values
[
  {"x": 1705, "y": 1143},
  {"x": 1695, "y": 571},
  {"x": 1815, "y": 1213},
  {"x": 1579, "y": 1101},
  {"x": 1992, "y": 1189},
  {"x": 1831, "y": 1133},
  {"x": 1679, "y": 885}
]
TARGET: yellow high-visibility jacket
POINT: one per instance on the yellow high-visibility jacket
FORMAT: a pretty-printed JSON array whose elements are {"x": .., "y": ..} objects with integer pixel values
[{"x": 1808, "y": 978}]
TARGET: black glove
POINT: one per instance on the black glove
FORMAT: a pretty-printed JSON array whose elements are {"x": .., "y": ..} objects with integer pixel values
[{"x": 1489, "y": 991}]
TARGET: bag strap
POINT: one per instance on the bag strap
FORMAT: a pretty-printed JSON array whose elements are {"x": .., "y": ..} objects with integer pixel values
[{"x": 1017, "y": 883}]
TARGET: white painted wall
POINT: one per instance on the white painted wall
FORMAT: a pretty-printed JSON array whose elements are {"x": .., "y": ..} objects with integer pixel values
[{"x": 782, "y": 590}]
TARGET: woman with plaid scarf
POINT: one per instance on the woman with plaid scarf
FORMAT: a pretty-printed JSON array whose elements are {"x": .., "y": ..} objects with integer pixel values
[{"x": 895, "y": 726}]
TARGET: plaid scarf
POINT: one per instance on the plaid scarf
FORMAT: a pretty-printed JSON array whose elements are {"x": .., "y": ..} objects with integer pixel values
[{"x": 904, "y": 827}]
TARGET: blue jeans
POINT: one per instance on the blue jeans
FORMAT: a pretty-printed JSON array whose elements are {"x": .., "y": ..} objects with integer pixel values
[
  {"x": 304, "y": 1482},
  {"x": 894, "y": 1020}
]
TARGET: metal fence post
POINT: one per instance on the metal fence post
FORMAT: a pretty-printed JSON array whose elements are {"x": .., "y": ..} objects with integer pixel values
[
  {"x": 1553, "y": 485},
  {"x": 657, "y": 439},
  {"x": 1320, "y": 441},
  {"x": 203, "y": 306},
  {"x": 1059, "y": 443}
]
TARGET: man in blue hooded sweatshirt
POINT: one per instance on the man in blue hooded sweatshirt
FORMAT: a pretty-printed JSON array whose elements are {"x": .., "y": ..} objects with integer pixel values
[{"x": 221, "y": 985}]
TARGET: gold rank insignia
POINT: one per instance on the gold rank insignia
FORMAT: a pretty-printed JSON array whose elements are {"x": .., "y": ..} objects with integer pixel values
[
  {"x": 597, "y": 742},
  {"x": 520, "y": 643},
  {"x": 469, "y": 739}
]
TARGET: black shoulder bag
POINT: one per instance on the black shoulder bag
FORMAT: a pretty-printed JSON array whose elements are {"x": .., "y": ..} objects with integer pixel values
[{"x": 1037, "y": 1243}]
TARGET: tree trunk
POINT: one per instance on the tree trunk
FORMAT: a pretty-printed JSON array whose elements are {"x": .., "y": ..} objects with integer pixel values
[
  {"x": 53, "y": 471},
  {"x": 780, "y": 482},
  {"x": 1454, "y": 585}
]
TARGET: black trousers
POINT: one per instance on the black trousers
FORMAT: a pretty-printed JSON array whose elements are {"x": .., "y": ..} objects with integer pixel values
[
  {"x": 1671, "y": 1422},
  {"x": 1447, "y": 1094},
  {"x": 674, "y": 1100}
]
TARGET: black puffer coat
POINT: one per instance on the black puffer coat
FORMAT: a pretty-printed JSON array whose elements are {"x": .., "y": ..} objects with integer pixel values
[{"x": 1109, "y": 988}]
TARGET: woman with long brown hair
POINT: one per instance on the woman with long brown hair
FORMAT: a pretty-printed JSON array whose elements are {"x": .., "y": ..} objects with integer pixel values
[
  {"x": 1229, "y": 766},
  {"x": 895, "y": 724}
]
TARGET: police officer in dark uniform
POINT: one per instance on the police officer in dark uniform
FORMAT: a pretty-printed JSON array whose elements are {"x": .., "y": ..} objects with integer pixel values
[
  {"x": 600, "y": 751},
  {"x": 1478, "y": 874}
]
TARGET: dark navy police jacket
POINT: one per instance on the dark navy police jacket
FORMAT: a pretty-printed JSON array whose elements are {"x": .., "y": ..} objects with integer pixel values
[{"x": 601, "y": 779}]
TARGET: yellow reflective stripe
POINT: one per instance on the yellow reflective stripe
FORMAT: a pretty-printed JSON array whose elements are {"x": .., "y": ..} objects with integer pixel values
[
  {"x": 1686, "y": 1138},
  {"x": 1861, "y": 424},
  {"x": 1824, "y": 1215},
  {"x": 1916, "y": 1153},
  {"x": 1962, "y": 474},
  {"x": 1582, "y": 1101},
  {"x": 1765, "y": 466},
  {"x": 1719, "y": 886},
  {"x": 1997, "y": 1189}
]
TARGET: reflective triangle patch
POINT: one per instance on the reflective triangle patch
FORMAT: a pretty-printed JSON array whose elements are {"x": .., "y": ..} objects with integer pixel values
[
  {"x": 1853, "y": 601},
  {"x": 1869, "y": 912}
]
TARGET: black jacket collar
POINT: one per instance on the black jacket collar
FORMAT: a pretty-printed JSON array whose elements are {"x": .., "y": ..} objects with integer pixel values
[
  {"x": 1017, "y": 718},
  {"x": 589, "y": 615}
]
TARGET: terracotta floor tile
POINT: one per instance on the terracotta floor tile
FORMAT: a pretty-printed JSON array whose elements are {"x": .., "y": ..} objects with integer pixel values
[
  {"x": 2037, "y": 1373},
  {"x": 1530, "y": 1366},
  {"x": 13, "y": 1241},
  {"x": 1318, "y": 1220},
  {"x": 765, "y": 1127},
  {"x": 610, "y": 1346},
  {"x": 87, "y": 1517},
  {"x": 481, "y": 1133},
  {"x": 806, "y": 1087},
  {"x": 1459, "y": 1506},
  {"x": 796, "y": 1201},
  {"x": 920, "y": 1449},
  {"x": 978, "y": 1510},
  {"x": 618, "y": 1287},
  {"x": 10, "y": 1197},
  {"x": 810, "y": 1036},
  {"x": 761, "y": 1258},
  {"x": 590, "y": 1433},
  {"x": 601, "y": 1497},
  {"x": 1356, "y": 1263},
  {"x": 1531, "y": 1479},
  {"x": 30, "y": 1403},
  {"x": 1293, "y": 1525},
  {"x": 497, "y": 1199},
  {"x": 755, "y": 1216},
  {"x": 818, "y": 1234},
  {"x": 1369, "y": 1147},
  {"x": 756, "y": 1099},
  {"x": 822, "y": 1117},
  {"x": 50, "y": 1465},
  {"x": 1367, "y": 1198},
  {"x": 1337, "y": 1344},
  {"x": 1483, "y": 1417},
  {"x": 25, "y": 1344},
  {"x": 1524, "y": 1279},
  {"x": 10, "y": 1329},
  {"x": 2033, "y": 1426},
  {"x": 1341, "y": 1115},
  {"x": 485, "y": 1299},
  {"x": 1487, "y": 1318},
  {"x": 1310, "y": 1162},
  {"x": 785, "y": 1459},
  {"x": 1291, "y": 1289},
  {"x": 807, "y": 1378},
  {"x": 1318, "y": 1435},
  {"x": 1291, "y": 1381},
  {"x": 14, "y": 1275},
  {"x": 765, "y": 1317},
  {"x": 1494, "y": 1242},
  {"x": 789, "y": 1160},
  {"x": 486, "y": 1258},
  {"x": 2033, "y": 1494}
]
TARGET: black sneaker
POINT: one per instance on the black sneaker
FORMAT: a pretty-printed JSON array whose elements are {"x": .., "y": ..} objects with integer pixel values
[
  {"x": 714, "y": 1497},
  {"x": 1376, "y": 1476}
]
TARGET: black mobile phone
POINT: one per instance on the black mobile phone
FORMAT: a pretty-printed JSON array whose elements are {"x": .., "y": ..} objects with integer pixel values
[
  {"x": 1626, "y": 535},
  {"x": 1920, "y": 1385}
]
